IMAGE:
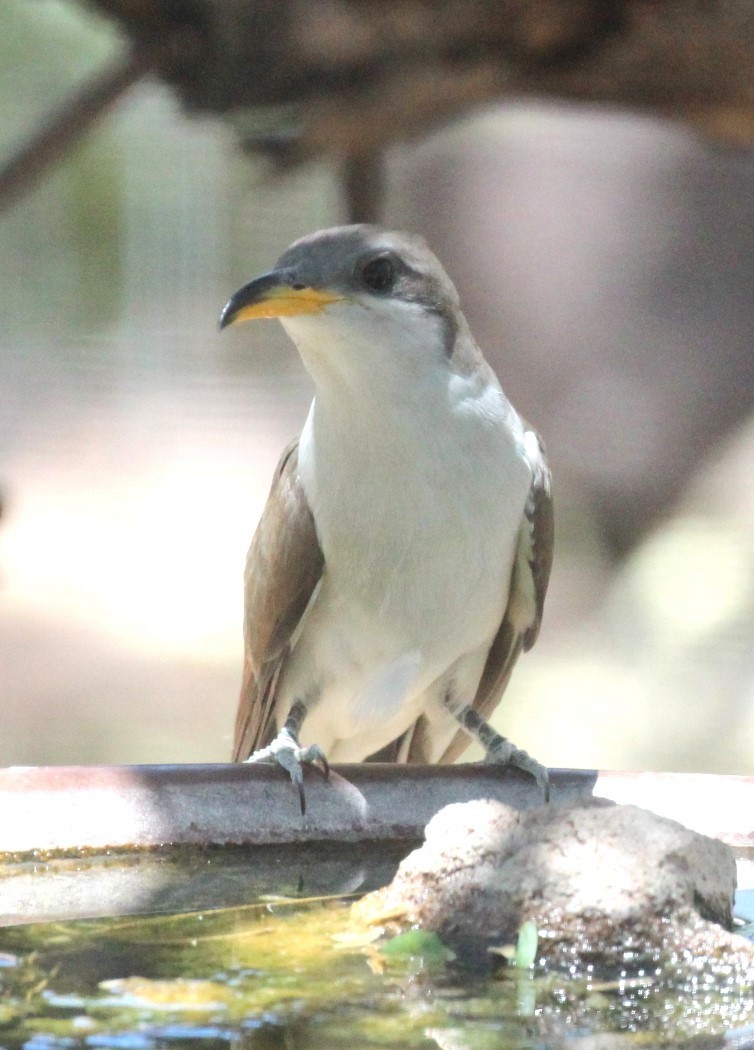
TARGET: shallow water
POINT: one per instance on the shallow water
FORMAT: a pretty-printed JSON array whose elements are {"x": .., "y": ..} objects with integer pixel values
[{"x": 289, "y": 970}]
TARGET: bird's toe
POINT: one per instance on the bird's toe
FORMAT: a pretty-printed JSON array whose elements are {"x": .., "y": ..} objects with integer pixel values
[
  {"x": 286, "y": 753},
  {"x": 503, "y": 752}
]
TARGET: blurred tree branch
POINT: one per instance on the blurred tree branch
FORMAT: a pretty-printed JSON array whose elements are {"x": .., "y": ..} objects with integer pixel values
[
  {"x": 359, "y": 74},
  {"x": 61, "y": 129},
  {"x": 364, "y": 72}
]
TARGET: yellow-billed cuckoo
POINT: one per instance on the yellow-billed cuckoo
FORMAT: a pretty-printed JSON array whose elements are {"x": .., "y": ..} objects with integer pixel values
[{"x": 401, "y": 562}]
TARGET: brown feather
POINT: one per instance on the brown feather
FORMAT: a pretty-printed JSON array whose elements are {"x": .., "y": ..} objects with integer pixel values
[
  {"x": 539, "y": 512},
  {"x": 283, "y": 568}
]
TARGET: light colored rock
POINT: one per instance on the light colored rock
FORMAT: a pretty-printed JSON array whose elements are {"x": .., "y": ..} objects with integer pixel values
[{"x": 599, "y": 881}]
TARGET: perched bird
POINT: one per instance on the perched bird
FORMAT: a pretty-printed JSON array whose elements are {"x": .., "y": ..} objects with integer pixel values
[{"x": 401, "y": 562}]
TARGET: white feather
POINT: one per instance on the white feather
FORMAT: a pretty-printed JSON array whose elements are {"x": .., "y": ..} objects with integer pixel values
[{"x": 417, "y": 478}]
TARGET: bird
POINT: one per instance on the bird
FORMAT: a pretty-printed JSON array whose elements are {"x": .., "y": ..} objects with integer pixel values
[{"x": 402, "y": 559}]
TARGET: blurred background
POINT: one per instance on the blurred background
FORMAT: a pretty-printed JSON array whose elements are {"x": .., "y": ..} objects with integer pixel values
[{"x": 606, "y": 264}]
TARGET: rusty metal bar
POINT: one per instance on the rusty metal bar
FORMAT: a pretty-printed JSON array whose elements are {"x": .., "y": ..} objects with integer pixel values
[{"x": 58, "y": 810}]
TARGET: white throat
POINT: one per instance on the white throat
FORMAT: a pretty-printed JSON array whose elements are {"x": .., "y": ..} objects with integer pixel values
[
  {"x": 416, "y": 476},
  {"x": 383, "y": 348}
]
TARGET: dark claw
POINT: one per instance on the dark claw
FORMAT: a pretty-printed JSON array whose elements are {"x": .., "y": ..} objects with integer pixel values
[
  {"x": 298, "y": 779},
  {"x": 314, "y": 755},
  {"x": 301, "y": 794},
  {"x": 520, "y": 759},
  {"x": 525, "y": 762},
  {"x": 287, "y": 754},
  {"x": 291, "y": 762}
]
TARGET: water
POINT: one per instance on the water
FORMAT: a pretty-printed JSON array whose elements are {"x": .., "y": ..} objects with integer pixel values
[{"x": 233, "y": 962}]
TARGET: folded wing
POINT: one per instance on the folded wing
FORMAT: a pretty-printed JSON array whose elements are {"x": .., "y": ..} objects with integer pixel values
[{"x": 283, "y": 569}]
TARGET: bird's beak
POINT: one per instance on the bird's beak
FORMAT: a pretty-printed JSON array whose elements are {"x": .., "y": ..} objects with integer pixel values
[{"x": 275, "y": 294}]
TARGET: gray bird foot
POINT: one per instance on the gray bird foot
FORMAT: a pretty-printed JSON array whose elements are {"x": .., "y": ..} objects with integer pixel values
[
  {"x": 503, "y": 752},
  {"x": 286, "y": 752}
]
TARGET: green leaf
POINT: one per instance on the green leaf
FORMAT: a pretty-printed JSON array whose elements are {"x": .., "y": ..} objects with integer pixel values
[
  {"x": 526, "y": 946},
  {"x": 417, "y": 944}
]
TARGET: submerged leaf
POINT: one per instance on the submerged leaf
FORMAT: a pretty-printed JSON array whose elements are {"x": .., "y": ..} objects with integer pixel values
[
  {"x": 417, "y": 944},
  {"x": 526, "y": 946}
]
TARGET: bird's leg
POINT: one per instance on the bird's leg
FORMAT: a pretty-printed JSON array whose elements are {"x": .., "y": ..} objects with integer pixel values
[
  {"x": 498, "y": 749},
  {"x": 286, "y": 751}
]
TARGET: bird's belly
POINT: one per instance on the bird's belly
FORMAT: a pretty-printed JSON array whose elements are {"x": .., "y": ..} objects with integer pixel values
[
  {"x": 376, "y": 641},
  {"x": 432, "y": 579},
  {"x": 418, "y": 564}
]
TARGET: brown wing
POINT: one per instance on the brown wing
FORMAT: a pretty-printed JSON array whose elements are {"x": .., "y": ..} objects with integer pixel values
[
  {"x": 521, "y": 622},
  {"x": 539, "y": 514},
  {"x": 283, "y": 568}
]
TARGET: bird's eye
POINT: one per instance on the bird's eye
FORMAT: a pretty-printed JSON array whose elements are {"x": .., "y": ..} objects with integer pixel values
[{"x": 378, "y": 274}]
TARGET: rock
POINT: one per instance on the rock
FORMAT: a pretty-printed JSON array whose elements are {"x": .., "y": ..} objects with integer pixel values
[{"x": 603, "y": 883}]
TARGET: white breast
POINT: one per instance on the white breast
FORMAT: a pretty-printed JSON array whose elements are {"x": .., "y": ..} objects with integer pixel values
[{"x": 417, "y": 485}]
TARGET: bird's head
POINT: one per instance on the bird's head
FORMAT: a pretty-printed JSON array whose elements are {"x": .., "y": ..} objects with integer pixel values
[{"x": 357, "y": 298}]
